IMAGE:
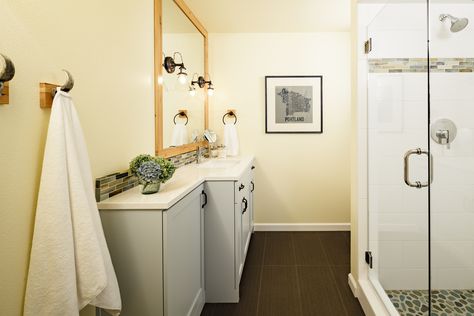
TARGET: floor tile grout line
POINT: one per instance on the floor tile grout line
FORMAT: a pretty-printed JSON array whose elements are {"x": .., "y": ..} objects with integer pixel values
[
  {"x": 332, "y": 275},
  {"x": 261, "y": 273},
  {"x": 298, "y": 287}
]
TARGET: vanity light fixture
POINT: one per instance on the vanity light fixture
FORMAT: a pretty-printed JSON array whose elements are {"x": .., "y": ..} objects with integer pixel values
[
  {"x": 210, "y": 89},
  {"x": 170, "y": 65},
  {"x": 192, "y": 91},
  {"x": 201, "y": 82}
]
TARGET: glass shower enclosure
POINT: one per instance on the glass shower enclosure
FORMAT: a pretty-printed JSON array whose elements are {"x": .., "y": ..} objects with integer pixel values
[{"x": 420, "y": 139}]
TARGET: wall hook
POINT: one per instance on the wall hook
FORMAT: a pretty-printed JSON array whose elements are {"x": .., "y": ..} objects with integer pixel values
[
  {"x": 67, "y": 86},
  {"x": 48, "y": 90},
  {"x": 6, "y": 74}
]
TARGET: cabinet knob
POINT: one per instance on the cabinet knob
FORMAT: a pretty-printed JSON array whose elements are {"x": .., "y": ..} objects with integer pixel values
[{"x": 253, "y": 167}]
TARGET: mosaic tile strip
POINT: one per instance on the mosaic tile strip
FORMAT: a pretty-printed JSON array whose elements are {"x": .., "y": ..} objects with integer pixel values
[
  {"x": 114, "y": 184},
  {"x": 187, "y": 158},
  {"x": 438, "y": 65},
  {"x": 444, "y": 302}
]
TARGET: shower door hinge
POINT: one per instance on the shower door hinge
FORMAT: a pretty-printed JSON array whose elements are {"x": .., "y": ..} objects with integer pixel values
[
  {"x": 368, "y": 46},
  {"x": 369, "y": 259}
]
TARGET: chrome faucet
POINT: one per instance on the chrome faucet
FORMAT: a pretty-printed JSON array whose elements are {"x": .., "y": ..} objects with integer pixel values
[{"x": 199, "y": 155}]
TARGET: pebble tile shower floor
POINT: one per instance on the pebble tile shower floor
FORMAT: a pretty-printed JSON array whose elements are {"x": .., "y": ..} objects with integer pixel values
[{"x": 445, "y": 302}]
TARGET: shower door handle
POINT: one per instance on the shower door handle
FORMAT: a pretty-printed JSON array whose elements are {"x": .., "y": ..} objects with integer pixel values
[{"x": 416, "y": 184}]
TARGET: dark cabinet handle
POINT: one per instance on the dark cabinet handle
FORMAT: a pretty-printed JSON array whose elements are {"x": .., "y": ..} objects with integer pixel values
[
  {"x": 246, "y": 203},
  {"x": 205, "y": 199},
  {"x": 253, "y": 167},
  {"x": 242, "y": 186},
  {"x": 253, "y": 186}
]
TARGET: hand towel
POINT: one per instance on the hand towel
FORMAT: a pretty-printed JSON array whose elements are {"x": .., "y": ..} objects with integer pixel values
[
  {"x": 231, "y": 140},
  {"x": 180, "y": 135},
  {"x": 70, "y": 265}
]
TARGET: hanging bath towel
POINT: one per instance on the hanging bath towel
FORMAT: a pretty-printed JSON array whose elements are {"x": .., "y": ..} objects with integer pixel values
[
  {"x": 180, "y": 135},
  {"x": 70, "y": 265},
  {"x": 231, "y": 140}
]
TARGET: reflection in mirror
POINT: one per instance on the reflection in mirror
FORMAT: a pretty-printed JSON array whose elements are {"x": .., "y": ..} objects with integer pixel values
[{"x": 185, "y": 44}]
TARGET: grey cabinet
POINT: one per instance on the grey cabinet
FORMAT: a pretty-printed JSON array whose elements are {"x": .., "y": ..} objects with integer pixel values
[
  {"x": 159, "y": 257},
  {"x": 229, "y": 225}
]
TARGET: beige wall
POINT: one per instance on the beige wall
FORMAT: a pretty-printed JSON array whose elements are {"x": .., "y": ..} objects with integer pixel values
[
  {"x": 300, "y": 178},
  {"x": 108, "y": 47}
]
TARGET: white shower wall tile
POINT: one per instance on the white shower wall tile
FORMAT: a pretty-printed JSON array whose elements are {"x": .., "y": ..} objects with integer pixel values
[
  {"x": 454, "y": 170},
  {"x": 452, "y": 254},
  {"x": 402, "y": 226},
  {"x": 390, "y": 254},
  {"x": 452, "y": 199},
  {"x": 415, "y": 254},
  {"x": 452, "y": 227},
  {"x": 453, "y": 278},
  {"x": 395, "y": 279}
]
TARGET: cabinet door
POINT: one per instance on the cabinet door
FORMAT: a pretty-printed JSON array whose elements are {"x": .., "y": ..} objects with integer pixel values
[
  {"x": 246, "y": 215},
  {"x": 134, "y": 238},
  {"x": 183, "y": 256},
  {"x": 222, "y": 285}
]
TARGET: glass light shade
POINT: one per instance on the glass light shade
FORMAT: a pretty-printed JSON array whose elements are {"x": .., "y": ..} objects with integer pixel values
[{"x": 182, "y": 78}]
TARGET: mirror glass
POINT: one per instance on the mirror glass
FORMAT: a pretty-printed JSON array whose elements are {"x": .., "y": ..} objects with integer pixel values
[{"x": 180, "y": 36}]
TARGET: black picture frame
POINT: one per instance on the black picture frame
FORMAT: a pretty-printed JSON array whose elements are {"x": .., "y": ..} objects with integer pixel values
[{"x": 320, "y": 112}]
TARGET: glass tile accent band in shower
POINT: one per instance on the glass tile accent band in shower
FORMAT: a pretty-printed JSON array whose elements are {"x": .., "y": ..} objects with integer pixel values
[{"x": 414, "y": 65}]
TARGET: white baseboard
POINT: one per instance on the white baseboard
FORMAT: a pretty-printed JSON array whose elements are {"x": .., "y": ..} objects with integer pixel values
[
  {"x": 353, "y": 285},
  {"x": 288, "y": 227}
]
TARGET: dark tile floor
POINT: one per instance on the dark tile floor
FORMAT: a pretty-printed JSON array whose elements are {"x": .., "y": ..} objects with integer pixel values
[{"x": 294, "y": 274}]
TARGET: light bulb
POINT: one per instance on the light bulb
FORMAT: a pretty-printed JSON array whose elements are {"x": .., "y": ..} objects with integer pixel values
[
  {"x": 160, "y": 79},
  {"x": 210, "y": 92},
  {"x": 182, "y": 78},
  {"x": 192, "y": 92}
]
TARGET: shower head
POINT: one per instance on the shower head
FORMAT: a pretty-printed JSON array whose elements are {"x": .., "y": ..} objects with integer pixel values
[{"x": 457, "y": 24}]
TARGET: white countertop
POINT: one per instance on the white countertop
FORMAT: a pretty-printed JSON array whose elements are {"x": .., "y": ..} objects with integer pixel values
[{"x": 185, "y": 179}]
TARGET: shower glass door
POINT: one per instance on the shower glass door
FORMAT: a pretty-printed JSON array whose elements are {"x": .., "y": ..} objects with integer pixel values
[
  {"x": 398, "y": 156},
  {"x": 452, "y": 146}
]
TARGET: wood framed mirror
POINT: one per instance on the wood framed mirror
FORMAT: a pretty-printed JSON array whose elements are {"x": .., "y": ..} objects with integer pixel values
[{"x": 168, "y": 13}]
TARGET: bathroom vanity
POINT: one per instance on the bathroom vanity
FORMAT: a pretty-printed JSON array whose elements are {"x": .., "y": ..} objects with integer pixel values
[{"x": 186, "y": 245}]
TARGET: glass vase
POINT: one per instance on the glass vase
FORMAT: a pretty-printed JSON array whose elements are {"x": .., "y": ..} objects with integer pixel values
[{"x": 150, "y": 188}]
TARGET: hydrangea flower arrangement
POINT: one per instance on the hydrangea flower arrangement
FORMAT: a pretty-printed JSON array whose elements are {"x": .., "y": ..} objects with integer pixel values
[{"x": 151, "y": 171}]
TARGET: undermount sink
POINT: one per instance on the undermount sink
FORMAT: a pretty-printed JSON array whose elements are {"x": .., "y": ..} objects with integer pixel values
[{"x": 218, "y": 164}]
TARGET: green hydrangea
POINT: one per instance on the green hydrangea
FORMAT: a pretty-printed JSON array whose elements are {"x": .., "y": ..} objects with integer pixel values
[{"x": 167, "y": 167}]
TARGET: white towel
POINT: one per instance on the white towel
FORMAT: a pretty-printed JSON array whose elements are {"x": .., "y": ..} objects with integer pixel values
[
  {"x": 180, "y": 135},
  {"x": 231, "y": 140},
  {"x": 70, "y": 265}
]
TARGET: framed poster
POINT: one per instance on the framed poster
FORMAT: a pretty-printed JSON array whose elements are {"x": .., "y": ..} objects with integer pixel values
[{"x": 293, "y": 104}]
